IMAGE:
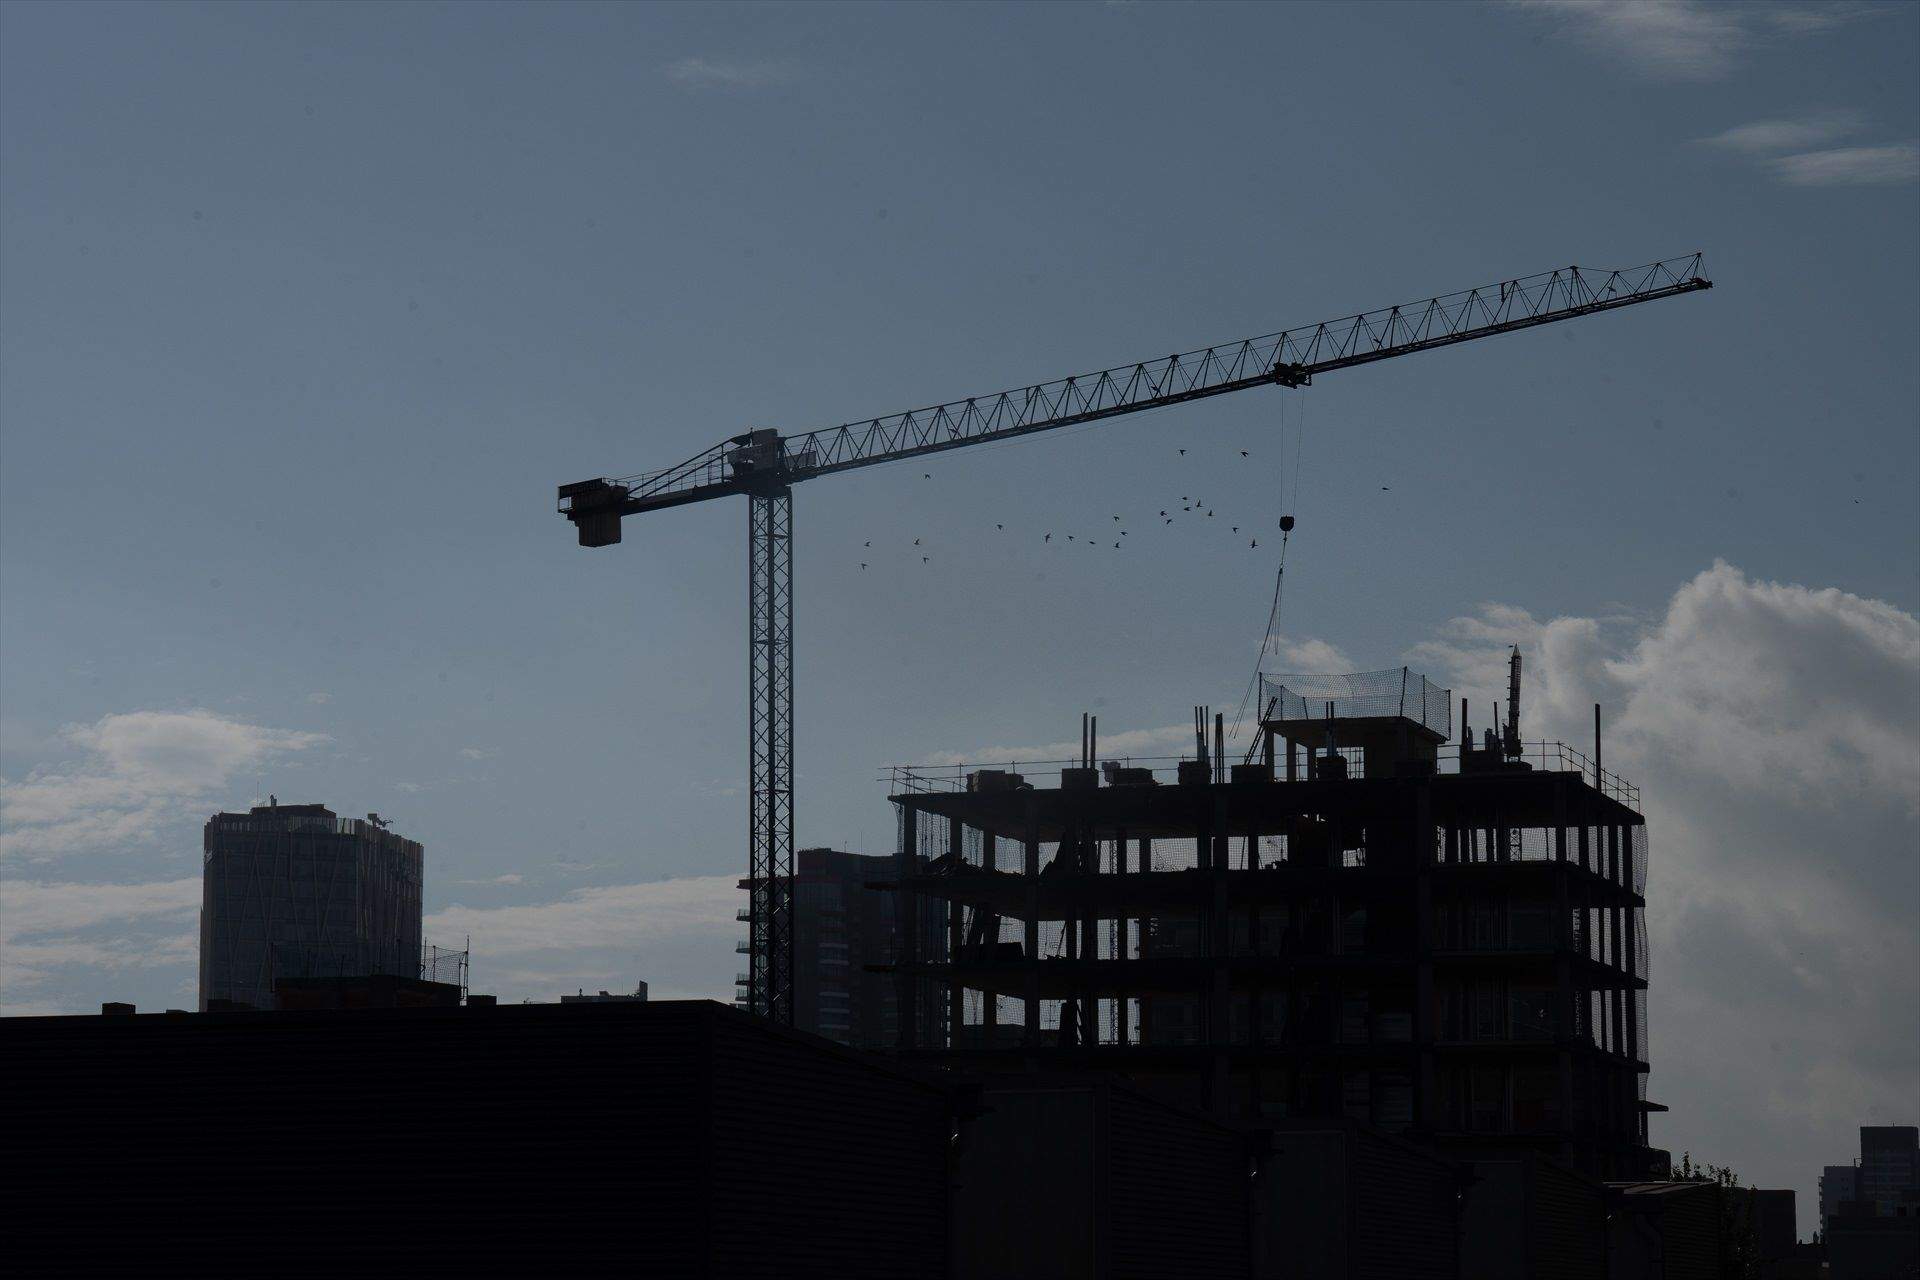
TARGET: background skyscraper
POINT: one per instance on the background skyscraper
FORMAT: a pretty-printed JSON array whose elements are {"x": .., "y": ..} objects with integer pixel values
[{"x": 294, "y": 891}]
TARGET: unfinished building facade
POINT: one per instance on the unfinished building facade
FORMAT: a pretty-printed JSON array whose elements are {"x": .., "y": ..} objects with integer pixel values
[{"x": 1361, "y": 920}]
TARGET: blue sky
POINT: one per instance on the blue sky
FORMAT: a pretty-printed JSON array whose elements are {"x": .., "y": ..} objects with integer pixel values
[{"x": 305, "y": 310}]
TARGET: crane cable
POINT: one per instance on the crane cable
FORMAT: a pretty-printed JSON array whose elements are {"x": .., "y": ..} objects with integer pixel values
[{"x": 1280, "y": 577}]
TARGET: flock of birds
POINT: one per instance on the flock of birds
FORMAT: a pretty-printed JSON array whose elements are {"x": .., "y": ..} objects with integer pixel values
[{"x": 1189, "y": 504}]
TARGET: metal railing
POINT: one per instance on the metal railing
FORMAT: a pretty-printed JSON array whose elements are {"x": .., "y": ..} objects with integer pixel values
[{"x": 1542, "y": 756}]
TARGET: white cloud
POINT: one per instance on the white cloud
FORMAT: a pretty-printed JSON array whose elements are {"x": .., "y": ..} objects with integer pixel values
[
  {"x": 478, "y": 753},
  {"x": 1673, "y": 39},
  {"x": 1770, "y": 137},
  {"x": 1775, "y": 732},
  {"x": 139, "y": 772},
  {"x": 1310, "y": 657},
  {"x": 35, "y": 908},
  {"x": 511, "y": 877},
  {"x": 49, "y": 925},
  {"x": 320, "y": 699},
  {"x": 1851, "y": 166},
  {"x": 678, "y": 935},
  {"x": 724, "y": 73},
  {"x": 610, "y": 916},
  {"x": 1793, "y": 151},
  {"x": 1813, "y": 18},
  {"x": 1687, "y": 39}
]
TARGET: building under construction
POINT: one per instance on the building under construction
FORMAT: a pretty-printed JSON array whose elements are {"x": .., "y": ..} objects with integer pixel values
[{"x": 1362, "y": 918}]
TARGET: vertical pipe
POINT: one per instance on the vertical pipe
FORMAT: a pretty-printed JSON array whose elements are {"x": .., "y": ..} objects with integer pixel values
[
  {"x": 1219, "y": 746},
  {"x": 1599, "y": 773}
]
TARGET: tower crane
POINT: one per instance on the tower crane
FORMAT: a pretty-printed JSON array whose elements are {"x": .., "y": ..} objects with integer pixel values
[{"x": 763, "y": 466}]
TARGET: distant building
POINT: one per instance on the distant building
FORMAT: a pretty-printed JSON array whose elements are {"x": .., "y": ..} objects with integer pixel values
[
  {"x": 1838, "y": 1182},
  {"x": 294, "y": 891},
  {"x": 840, "y": 927},
  {"x": 1775, "y": 1223},
  {"x": 637, "y": 996},
  {"x": 1889, "y": 1166}
]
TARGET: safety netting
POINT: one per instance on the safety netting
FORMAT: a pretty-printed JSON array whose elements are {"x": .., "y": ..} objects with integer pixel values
[{"x": 1399, "y": 691}]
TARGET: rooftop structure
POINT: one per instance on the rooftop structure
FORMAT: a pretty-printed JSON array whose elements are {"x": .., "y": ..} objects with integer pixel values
[
  {"x": 1363, "y": 922},
  {"x": 637, "y": 996}
]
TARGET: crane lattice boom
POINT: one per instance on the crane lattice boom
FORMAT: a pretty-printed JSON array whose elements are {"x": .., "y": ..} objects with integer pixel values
[{"x": 1290, "y": 359}]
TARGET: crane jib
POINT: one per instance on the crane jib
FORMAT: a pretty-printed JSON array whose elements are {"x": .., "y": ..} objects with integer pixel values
[{"x": 751, "y": 462}]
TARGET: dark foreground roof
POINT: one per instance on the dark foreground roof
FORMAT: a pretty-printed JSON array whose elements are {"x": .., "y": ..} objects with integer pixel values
[{"x": 670, "y": 1138}]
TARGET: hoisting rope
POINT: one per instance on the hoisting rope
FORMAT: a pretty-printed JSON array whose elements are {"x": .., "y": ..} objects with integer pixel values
[{"x": 1280, "y": 576}]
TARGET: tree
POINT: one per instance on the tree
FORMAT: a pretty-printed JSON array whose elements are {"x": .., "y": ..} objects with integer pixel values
[{"x": 1740, "y": 1249}]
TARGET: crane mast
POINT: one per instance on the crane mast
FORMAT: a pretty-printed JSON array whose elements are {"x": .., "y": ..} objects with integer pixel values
[{"x": 764, "y": 465}]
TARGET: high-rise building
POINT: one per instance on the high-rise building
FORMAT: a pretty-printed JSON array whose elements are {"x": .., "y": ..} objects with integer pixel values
[
  {"x": 1838, "y": 1182},
  {"x": 1443, "y": 941},
  {"x": 294, "y": 891},
  {"x": 1889, "y": 1165},
  {"x": 841, "y": 926}
]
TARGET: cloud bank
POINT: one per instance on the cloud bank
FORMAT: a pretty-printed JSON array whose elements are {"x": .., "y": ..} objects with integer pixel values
[
  {"x": 1775, "y": 732},
  {"x": 1793, "y": 151},
  {"x": 138, "y": 772}
]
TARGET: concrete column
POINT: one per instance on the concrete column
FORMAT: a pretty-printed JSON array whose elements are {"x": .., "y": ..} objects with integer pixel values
[
  {"x": 1031, "y": 867},
  {"x": 907, "y": 920},
  {"x": 1211, "y": 839},
  {"x": 1426, "y": 1083},
  {"x": 956, "y": 994}
]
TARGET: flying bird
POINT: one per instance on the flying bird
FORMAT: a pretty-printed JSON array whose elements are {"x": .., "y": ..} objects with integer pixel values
[
  {"x": 1386, "y": 488},
  {"x": 1116, "y": 517},
  {"x": 1209, "y": 515},
  {"x": 999, "y": 526},
  {"x": 863, "y": 564},
  {"x": 1069, "y": 537},
  {"x": 916, "y": 542},
  {"x": 926, "y": 475},
  {"x": 1254, "y": 543},
  {"x": 1163, "y": 513},
  {"x": 1243, "y": 453},
  {"x": 1183, "y": 453},
  {"x": 1236, "y": 528},
  {"x": 1048, "y": 538},
  {"x": 923, "y": 559},
  {"x": 1169, "y": 519}
]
